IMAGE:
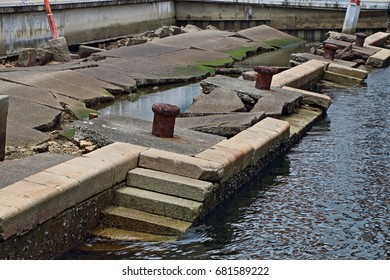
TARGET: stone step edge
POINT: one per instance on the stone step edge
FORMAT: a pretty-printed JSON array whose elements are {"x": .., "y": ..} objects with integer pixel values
[
  {"x": 169, "y": 184},
  {"x": 143, "y": 221},
  {"x": 158, "y": 204},
  {"x": 119, "y": 234}
]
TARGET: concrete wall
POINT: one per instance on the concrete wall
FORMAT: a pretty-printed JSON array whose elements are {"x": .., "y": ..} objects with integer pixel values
[
  {"x": 23, "y": 23},
  {"x": 27, "y": 26},
  {"x": 287, "y": 18}
]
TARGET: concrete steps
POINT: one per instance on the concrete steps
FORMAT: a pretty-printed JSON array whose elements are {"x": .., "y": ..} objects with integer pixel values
[
  {"x": 169, "y": 184},
  {"x": 134, "y": 220},
  {"x": 154, "y": 202},
  {"x": 157, "y": 203}
]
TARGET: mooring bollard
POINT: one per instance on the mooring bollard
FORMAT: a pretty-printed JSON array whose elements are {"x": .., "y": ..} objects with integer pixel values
[
  {"x": 164, "y": 119},
  {"x": 360, "y": 38},
  {"x": 264, "y": 76},
  {"x": 330, "y": 51},
  {"x": 4, "y": 102}
]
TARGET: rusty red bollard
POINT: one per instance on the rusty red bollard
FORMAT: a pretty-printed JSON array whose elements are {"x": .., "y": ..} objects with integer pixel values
[
  {"x": 360, "y": 38},
  {"x": 164, "y": 119},
  {"x": 330, "y": 51},
  {"x": 264, "y": 76}
]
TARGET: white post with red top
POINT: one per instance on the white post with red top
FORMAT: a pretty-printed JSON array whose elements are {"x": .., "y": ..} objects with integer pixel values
[{"x": 351, "y": 17}]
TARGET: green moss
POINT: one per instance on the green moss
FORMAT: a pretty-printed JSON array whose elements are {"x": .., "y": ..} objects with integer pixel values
[
  {"x": 68, "y": 133},
  {"x": 240, "y": 54},
  {"x": 284, "y": 43},
  {"x": 217, "y": 62},
  {"x": 106, "y": 93},
  {"x": 188, "y": 71},
  {"x": 206, "y": 69},
  {"x": 80, "y": 111}
]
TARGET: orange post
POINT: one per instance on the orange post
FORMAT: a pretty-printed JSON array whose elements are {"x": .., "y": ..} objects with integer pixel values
[{"x": 51, "y": 20}]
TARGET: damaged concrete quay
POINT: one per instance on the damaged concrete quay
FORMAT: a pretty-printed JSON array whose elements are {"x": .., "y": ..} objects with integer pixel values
[{"x": 138, "y": 186}]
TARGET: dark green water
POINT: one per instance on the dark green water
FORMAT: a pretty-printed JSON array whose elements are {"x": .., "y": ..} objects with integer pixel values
[{"x": 327, "y": 198}]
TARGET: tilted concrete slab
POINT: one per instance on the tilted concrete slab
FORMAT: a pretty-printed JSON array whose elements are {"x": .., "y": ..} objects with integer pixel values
[
  {"x": 195, "y": 57},
  {"x": 33, "y": 94},
  {"x": 138, "y": 51},
  {"x": 132, "y": 219},
  {"x": 219, "y": 100},
  {"x": 111, "y": 76},
  {"x": 24, "y": 117},
  {"x": 245, "y": 89},
  {"x": 158, "y": 204},
  {"x": 377, "y": 39},
  {"x": 148, "y": 72},
  {"x": 270, "y": 36},
  {"x": 138, "y": 132},
  {"x": 169, "y": 184},
  {"x": 188, "y": 40},
  {"x": 67, "y": 83},
  {"x": 182, "y": 165},
  {"x": 311, "y": 98},
  {"x": 226, "y": 125},
  {"x": 277, "y": 102}
]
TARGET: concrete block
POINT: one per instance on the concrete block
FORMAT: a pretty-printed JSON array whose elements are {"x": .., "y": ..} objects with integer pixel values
[
  {"x": 380, "y": 59},
  {"x": 261, "y": 143},
  {"x": 68, "y": 188},
  {"x": 347, "y": 71},
  {"x": 18, "y": 214},
  {"x": 123, "y": 156},
  {"x": 94, "y": 175},
  {"x": 230, "y": 162},
  {"x": 158, "y": 204},
  {"x": 300, "y": 75},
  {"x": 59, "y": 48},
  {"x": 244, "y": 148},
  {"x": 4, "y": 103},
  {"x": 278, "y": 126},
  {"x": 45, "y": 198},
  {"x": 341, "y": 79},
  {"x": 33, "y": 57},
  {"x": 169, "y": 184},
  {"x": 312, "y": 98},
  {"x": 183, "y": 165}
]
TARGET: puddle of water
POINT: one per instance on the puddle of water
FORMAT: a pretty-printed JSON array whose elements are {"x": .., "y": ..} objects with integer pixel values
[{"x": 141, "y": 108}]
